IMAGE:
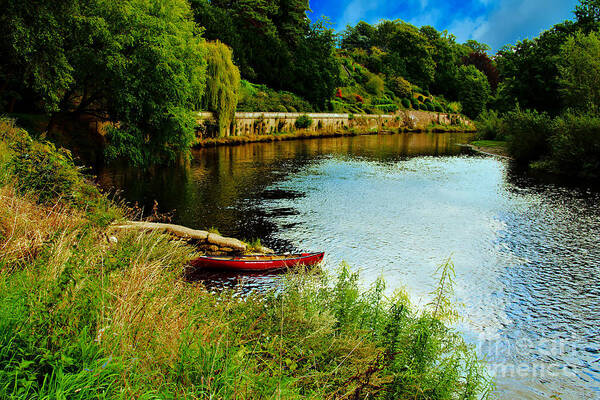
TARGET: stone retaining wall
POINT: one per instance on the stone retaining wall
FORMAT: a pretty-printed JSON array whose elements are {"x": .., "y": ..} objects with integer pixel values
[{"x": 253, "y": 124}]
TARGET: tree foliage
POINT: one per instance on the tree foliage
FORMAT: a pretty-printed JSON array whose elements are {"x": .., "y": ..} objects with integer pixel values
[
  {"x": 580, "y": 70},
  {"x": 137, "y": 63},
  {"x": 222, "y": 84},
  {"x": 274, "y": 43},
  {"x": 529, "y": 70},
  {"x": 484, "y": 63},
  {"x": 474, "y": 91}
]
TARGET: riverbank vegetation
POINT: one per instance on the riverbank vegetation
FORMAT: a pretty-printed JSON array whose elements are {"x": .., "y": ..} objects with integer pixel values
[
  {"x": 86, "y": 312},
  {"x": 547, "y": 102}
]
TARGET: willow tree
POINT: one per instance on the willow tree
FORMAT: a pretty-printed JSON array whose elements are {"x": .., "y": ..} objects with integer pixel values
[{"x": 222, "y": 84}]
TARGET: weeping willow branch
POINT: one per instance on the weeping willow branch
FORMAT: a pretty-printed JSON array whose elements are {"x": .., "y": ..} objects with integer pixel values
[{"x": 222, "y": 84}]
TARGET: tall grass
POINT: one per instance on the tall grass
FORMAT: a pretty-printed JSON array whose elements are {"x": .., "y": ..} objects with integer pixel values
[{"x": 83, "y": 317}]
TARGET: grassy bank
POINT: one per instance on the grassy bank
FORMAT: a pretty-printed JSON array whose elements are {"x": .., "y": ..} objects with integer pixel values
[
  {"x": 84, "y": 316},
  {"x": 497, "y": 147}
]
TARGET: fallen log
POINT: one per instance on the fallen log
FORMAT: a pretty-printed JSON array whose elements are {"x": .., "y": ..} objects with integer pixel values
[
  {"x": 188, "y": 233},
  {"x": 177, "y": 230}
]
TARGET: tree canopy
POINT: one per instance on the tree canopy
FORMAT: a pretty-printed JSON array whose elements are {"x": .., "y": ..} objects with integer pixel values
[
  {"x": 137, "y": 63},
  {"x": 274, "y": 43},
  {"x": 579, "y": 69}
]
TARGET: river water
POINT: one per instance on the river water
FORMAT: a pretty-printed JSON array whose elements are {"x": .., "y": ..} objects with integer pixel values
[{"x": 526, "y": 253}]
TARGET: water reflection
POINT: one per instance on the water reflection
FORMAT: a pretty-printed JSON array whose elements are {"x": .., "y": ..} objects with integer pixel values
[{"x": 526, "y": 254}]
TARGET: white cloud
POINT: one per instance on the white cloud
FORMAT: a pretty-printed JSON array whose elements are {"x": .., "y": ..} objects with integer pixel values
[
  {"x": 503, "y": 22},
  {"x": 513, "y": 20}
]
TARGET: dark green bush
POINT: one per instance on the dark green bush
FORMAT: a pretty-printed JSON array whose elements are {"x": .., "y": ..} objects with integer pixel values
[
  {"x": 42, "y": 169},
  {"x": 303, "y": 122},
  {"x": 414, "y": 102},
  {"x": 575, "y": 145},
  {"x": 528, "y": 134},
  {"x": 429, "y": 106},
  {"x": 405, "y": 103},
  {"x": 400, "y": 87},
  {"x": 438, "y": 108},
  {"x": 422, "y": 107},
  {"x": 490, "y": 126}
]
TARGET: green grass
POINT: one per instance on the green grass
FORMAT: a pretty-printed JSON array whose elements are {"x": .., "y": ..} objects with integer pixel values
[
  {"x": 82, "y": 317},
  {"x": 489, "y": 143}
]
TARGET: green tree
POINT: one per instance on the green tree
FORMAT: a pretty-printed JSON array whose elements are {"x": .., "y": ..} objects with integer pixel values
[
  {"x": 141, "y": 65},
  {"x": 275, "y": 44},
  {"x": 33, "y": 63},
  {"x": 409, "y": 53},
  {"x": 400, "y": 87},
  {"x": 475, "y": 47},
  {"x": 222, "y": 84},
  {"x": 361, "y": 36},
  {"x": 314, "y": 72},
  {"x": 447, "y": 55},
  {"x": 138, "y": 64},
  {"x": 587, "y": 13},
  {"x": 474, "y": 91},
  {"x": 529, "y": 71},
  {"x": 580, "y": 70}
]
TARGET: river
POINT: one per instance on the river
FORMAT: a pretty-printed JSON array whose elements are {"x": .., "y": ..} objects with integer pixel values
[{"x": 526, "y": 253}]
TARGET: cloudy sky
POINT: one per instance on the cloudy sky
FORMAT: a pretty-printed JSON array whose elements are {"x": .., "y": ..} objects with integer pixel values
[{"x": 495, "y": 22}]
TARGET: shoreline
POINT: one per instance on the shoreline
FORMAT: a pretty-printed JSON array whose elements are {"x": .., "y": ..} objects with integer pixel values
[{"x": 277, "y": 137}]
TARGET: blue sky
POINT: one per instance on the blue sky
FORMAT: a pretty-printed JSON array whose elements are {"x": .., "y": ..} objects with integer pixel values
[{"x": 495, "y": 22}]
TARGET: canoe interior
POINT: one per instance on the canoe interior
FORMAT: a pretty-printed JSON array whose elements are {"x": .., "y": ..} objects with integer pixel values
[{"x": 274, "y": 257}]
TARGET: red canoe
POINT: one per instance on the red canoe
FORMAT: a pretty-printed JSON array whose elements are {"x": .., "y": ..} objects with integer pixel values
[{"x": 258, "y": 262}]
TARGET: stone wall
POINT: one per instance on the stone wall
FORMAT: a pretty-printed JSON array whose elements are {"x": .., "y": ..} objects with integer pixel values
[{"x": 252, "y": 124}]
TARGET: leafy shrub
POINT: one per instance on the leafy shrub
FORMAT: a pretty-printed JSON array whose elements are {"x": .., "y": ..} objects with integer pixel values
[
  {"x": 421, "y": 98},
  {"x": 41, "y": 168},
  {"x": 400, "y": 87},
  {"x": 528, "y": 134},
  {"x": 429, "y": 107},
  {"x": 575, "y": 145},
  {"x": 427, "y": 100},
  {"x": 490, "y": 126},
  {"x": 455, "y": 107},
  {"x": 303, "y": 122},
  {"x": 422, "y": 106},
  {"x": 260, "y": 98},
  {"x": 281, "y": 108},
  {"x": 374, "y": 85},
  {"x": 438, "y": 108},
  {"x": 414, "y": 102},
  {"x": 405, "y": 103}
]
